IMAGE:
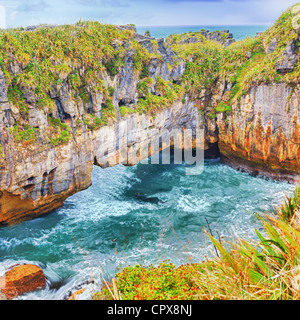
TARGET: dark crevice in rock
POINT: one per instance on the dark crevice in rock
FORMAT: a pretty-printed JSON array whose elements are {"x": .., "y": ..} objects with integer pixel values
[
  {"x": 50, "y": 180},
  {"x": 213, "y": 151},
  {"x": 122, "y": 103},
  {"x": 29, "y": 188},
  {"x": 61, "y": 113},
  {"x": 90, "y": 109},
  {"x": 31, "y": 179}
]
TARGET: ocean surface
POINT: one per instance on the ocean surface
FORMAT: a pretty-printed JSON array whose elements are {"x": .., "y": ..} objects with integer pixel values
[
  {"x": 139, "y": 215},
  {"x": 239, "y": 32}
]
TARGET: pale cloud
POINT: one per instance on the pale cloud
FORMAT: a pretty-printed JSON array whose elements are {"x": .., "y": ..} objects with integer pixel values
[
  {"x": 2, "y": 17},
  {"x": 102, "y": 3},
  {"x": 145, "y": 12},
  {"x": 30, "y": 6},
  {"x": 12, "y": 15}
]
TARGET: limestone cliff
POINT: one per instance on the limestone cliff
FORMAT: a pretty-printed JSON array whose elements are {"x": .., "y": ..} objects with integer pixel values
[
  {"x": 262, "y": 133},
  {"x": 40, "y": 167},
  {"x": 75, "y": 96}
]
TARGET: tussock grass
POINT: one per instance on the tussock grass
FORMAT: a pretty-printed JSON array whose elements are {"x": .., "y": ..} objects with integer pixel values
[
  {"x": 243, "y": 64},
  {"x": 82, "y": 57}
]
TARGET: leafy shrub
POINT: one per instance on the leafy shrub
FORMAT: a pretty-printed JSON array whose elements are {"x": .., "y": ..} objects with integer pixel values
[
  {"x": 144, "y": 72},
  {"x": 64, "y": 137},
  {"x": 223, "y": 107},
  {"x": 167, "y": 93},
  {"x": 212, "y": 115},
  {"x": 125, "y": 110},
  {"x": 84, "y": 95},
  {"x": 142, "y": 88},
  {"x": 56, "y": 122},
  {"x": 108, "y": 112},
  {"x": 165, "y": 282},
  {"x": 111, "y": 91},
  {"x": 132, "y": 25},
  {"x": 16, "y": 96},
  {"x": 62, "y": 132},
  {"x": 113, "y": 65},
  {"x": 75, "y": 80},
  {"x": 27, "y": 135}
]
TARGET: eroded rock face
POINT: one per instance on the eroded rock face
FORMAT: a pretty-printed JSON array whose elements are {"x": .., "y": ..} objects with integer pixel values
[
  {"x": 21, "y": 279},
  {"x": 288, "y": 59},
  {"x": 262, "y": 134},
  {"x": 224, "y": 37},
  {"x": 39, "y": 183},
  {"x": 272, "y": 47},
  {"x": 36, "y": 179}
]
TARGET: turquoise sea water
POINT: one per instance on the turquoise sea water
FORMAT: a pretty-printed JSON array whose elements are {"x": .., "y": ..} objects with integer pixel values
[
  {"x": 139, "y": 215},
  {"x": 239, "y": 32}
]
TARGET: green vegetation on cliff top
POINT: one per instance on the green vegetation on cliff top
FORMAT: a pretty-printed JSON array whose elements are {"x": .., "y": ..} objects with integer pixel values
[
  {"x": 38, "y": 64},
  {"x": 243, "y": 64}
]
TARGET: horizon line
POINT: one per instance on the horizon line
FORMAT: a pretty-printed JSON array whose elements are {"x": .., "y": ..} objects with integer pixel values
[
  {"x": 150, "y": 26},
  {"x": 207, "y": 25}
]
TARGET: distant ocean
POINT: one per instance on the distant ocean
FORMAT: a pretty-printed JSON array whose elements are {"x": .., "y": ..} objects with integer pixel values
[{"x": 239, "y": 32}]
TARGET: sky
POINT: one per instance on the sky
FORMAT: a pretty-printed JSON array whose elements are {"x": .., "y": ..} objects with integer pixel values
[{"x": 16, "y": 13}]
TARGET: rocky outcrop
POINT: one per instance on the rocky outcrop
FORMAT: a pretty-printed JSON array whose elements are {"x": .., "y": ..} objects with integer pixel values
[
  {"x": 288, "y": 59},
  {"x": 36, "y": 178},
  {"x": 261, "y": 135},
  {"x": 76, "y": 294},
  {"x": 223, "y": 37},
  {"x": 272, "y": 46},
  {"x": 20, "y": 280},
  {"x": 40, "y": 182}
]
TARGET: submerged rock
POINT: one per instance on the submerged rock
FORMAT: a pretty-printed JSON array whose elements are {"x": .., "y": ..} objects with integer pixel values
[{"x": 76, "y": 295}]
